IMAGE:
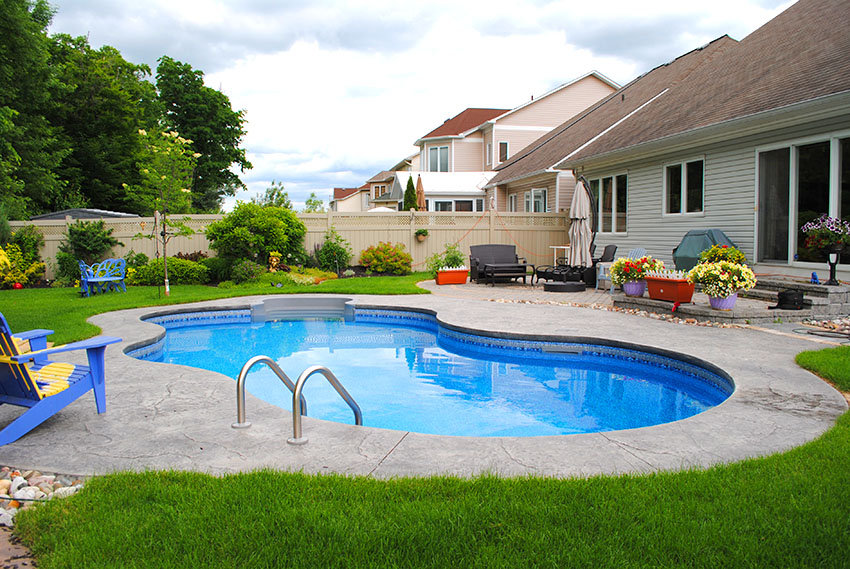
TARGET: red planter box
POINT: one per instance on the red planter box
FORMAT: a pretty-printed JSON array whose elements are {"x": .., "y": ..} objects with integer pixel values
[
  {"x": 457, "y": 276},
  {"x": 672, "y": 290}
]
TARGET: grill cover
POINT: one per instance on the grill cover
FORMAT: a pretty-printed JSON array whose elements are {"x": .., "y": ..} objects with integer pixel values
[{"x": 686, "y": 255}]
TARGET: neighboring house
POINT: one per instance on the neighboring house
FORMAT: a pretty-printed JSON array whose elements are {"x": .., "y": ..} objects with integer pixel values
[
  {"x": 444, "y": 191},
  {"x": 751, "y": 137},
  {"x": 529, "y": 182},
  {"x": 480, "y": 139},
  {"x": 81, "y": 213},
  {"x": 350, "y": 199}
]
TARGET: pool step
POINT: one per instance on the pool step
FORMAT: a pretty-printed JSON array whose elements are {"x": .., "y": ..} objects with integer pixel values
[{"x": 298, "y": 308}]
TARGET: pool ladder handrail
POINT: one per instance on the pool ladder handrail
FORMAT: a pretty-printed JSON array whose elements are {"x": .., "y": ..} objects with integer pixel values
[
  {"x": 297, "y": 398},
  {"x": 241, "y": 423},
  {"x": 299, "y": 403}
]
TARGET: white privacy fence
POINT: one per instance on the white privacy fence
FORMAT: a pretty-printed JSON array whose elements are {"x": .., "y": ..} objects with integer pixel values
[{"x": 532, "y": 233}]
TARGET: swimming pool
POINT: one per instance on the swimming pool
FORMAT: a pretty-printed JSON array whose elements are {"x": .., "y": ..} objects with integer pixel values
[{"x": 409, "y": 373}]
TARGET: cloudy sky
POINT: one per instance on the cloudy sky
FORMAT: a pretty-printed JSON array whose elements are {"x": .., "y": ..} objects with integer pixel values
[{"x": 336, "y": 91}]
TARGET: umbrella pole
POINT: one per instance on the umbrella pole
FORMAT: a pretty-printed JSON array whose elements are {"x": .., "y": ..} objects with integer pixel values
[{"x": 593, "y": 212}]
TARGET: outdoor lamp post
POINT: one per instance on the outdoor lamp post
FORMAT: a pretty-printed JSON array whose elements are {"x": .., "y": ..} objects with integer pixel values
[{"x": 833, "y": 261}]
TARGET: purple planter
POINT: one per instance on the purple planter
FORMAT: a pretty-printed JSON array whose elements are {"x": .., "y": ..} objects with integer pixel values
[
  {"x": 634, "y": 288},
  {"x": 723, "y": 303}
]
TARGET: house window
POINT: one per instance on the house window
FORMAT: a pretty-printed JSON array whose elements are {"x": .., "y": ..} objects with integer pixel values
[
  {"x": 488, "y": 156},
  {"x": 683, "y": 187},
  {"x": 535, "y": 200},
  {"x": 463, "y": 205},
  {"x": 479, "y": 204},
  {"x": 612, "y": 203},
  {"x": 379, "y": 191},
  {"x": 512, "y": 202},
  {"x": 796, "y": 184},
  {"x": 438, "y": 159},
  {"x": 503, "y": 151},
  {"x": 442, "y": 206}
]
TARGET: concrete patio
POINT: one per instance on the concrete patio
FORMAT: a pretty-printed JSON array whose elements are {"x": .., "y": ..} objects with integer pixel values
[{"x": 173, "y": 417}]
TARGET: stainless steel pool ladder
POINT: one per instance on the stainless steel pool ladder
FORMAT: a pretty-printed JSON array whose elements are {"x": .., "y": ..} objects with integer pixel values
[{"x": 299, "y": 404}]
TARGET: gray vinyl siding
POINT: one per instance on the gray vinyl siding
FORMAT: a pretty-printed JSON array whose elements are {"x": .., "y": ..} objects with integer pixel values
[{"x": 729, "y": 192}]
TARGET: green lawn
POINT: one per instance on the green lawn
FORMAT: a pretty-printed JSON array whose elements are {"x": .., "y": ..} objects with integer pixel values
[
  {"x": 65, "y": 311},
  {"x": 787, "y": 510}
]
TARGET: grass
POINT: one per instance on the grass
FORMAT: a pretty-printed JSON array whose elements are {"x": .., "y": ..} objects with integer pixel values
[
  {"x": 65, "y": 311},
  {"x": 786, "y": 510},
  {"x": 832, "y": 364}
]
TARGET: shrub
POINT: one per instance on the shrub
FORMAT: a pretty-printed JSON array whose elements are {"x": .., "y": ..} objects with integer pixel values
[
  {"x": 5, "y": 229},
  {"x": 219, "y": 268},
  {"x": 14, "y": 268},
  {"x": 195, "y": 256},
  {"x": 335, "y": 253},
  {"x": 136, "y": 260},
  {"x": 180, "y": 271},
  {"x": 451, "y": 258},
  {"x": 252, "y": 232},
  {"x": 722, "y": 253},
  {"x": 29, "y": 239},
  {"x": 245, "y": 270},
  {"x": 89, "y": 241},
  {"x": 386, "y": 258}
]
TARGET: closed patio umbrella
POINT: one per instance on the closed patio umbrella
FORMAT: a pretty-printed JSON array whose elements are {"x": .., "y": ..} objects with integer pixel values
[
  {"x": 581, "y": 231},
  {"x": 421, "y": 205}
]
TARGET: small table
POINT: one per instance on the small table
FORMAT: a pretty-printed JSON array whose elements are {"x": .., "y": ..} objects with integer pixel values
[
  {"x": 555, "y": 249},
  {"x": 507, "y": 270}
]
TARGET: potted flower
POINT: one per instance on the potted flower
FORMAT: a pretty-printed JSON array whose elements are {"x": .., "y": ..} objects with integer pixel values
[
  {"x": 827, "y": 233},
  {"x": 421, "y": 234},
  {"x": 448, "y": 267},
  {"x": 721, "y": 281},
  {"x": 629, "y": 273},
  {"x": 723, "y": 253}
]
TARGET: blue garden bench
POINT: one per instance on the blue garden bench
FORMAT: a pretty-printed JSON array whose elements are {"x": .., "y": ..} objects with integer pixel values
[
  {"x": 29, "y": 379},
  {"x": 103, "y": 276}
]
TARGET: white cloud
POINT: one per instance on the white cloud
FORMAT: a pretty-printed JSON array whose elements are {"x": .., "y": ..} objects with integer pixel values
[{"x": 336, "y": 91}]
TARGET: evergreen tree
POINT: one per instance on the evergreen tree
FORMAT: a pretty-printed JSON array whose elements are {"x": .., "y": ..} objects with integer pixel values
[{"x": 410, "y": 195}]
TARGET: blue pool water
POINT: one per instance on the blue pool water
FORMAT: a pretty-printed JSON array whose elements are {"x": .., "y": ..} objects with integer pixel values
[{"x": 407, "y": 373}]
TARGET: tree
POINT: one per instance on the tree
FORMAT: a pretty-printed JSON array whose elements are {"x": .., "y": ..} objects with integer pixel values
[
  {"x": 103, "y": 102},
  {"x": 274, "y": 196},
  {"x": 410, "y": 195},
  {"x": 166, "y": 172},
  {"x": 30, "y": 147},
  {"x": 252, "y": 232},
  {"x": 205, "y": 116},
  {"x": 314, "y": 204}
]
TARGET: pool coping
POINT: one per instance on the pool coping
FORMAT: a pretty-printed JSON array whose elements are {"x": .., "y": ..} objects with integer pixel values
[{"x": 173, "y": 417}]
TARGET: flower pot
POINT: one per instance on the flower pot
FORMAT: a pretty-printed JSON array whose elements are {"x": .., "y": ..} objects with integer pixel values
[
  {"x": 723, "y": 302},
  {"x": 421, "y": 238},
  {"x": 456, "y": 276},
  {"x": 671, "y": 290},
  {"x": 634, "y": 288}
]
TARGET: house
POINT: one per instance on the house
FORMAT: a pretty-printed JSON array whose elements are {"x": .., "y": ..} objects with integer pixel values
[
  {"x": 444, "y": 191},
  {"x": 350, "y": 199},
  {"x": 751, "y": 137},
  {"x": 480, "y": 139},
  {"x": 529, "y": 182}
]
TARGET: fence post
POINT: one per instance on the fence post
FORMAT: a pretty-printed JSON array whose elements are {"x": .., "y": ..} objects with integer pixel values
[{"x": 491, "y": 233}]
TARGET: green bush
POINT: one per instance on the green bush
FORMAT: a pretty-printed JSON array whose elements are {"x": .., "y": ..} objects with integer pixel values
[
  {"x": 136, "y": 260},
  {"x": 194, "y": 256},
  {"x": 252, "y": 232},
  {"x": 450, "y": 258},
  {"x": 387, "y": 258},
  {"x": 219, "y": 268},
  {"x": 335, "y": 253},
  {"x": 246, "y": 270},
  {"x": 89, "y": 241},
  {"x": 29, "y": 239},
  {"x": 16, "y": 269},
  {"x": 180, "y": 271}
]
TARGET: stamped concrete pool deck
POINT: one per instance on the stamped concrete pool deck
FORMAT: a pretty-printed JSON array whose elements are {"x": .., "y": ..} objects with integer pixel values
[{"x": 173, "y": 417}]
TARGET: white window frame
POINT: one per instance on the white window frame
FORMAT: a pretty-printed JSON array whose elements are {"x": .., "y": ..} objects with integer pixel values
[
  {"x": 512, "y": 202},
  {"x": 833, "y": 138},
  {"x": 488, "y": 154},
  {"x": 437, "y": 149},
  {"x": 530, "y": 198},
  {"x": 614, "y": 210},
  {"x": 507, "y": 151},
  {"x": 479, "y": 204},
  {"x": 683, "y": 189},
  {"x": 450, "y": 202}
]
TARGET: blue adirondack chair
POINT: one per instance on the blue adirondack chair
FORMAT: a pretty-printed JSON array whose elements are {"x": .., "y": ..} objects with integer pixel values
[{"x": 29, "y": 379}]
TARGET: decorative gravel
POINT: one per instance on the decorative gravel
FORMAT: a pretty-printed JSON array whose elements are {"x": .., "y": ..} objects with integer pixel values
[{"x": 19, "y": 489}]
